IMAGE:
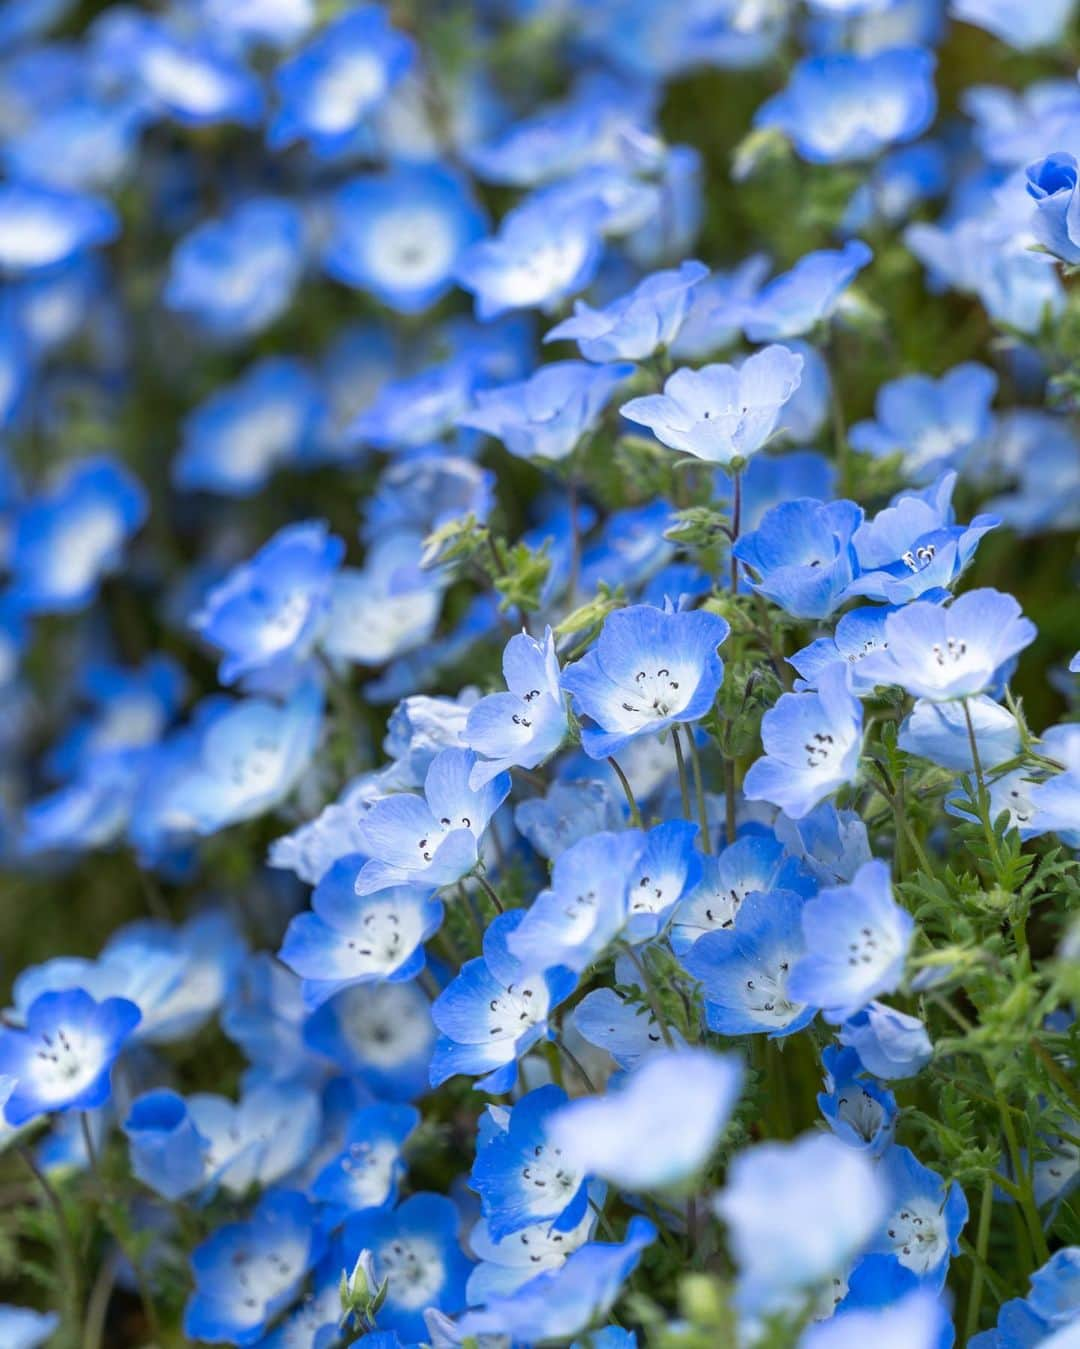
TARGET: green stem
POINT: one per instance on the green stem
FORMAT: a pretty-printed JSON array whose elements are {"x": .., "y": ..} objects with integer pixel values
[
  {"x": 699, "y": 791},
  {"x": 684, "y": 781},
  {"x": 635, "y": 813},
  {"x": 68, "y": 1254},
  {"x": 487, "y": 888},
  {"x": 1026, "y": 1201},
  {"x": 982, "y": 1243},
  {"x": 577, "y": 1066},
  {"x": 736, "y": 525}
]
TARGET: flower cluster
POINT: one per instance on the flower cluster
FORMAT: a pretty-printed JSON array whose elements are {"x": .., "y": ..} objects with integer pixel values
[{"x": 540, "y": 784}]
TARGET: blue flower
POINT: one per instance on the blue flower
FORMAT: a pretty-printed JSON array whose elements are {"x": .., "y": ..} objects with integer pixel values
[
  {"x": 938, "y": 732},
  {"x": 1021, "y": 25},
  {"x": 794, "y": 303},
  {"x": 778, "y": 1192},
  {"x": 247, "y": 1273},
  {"x": 277, "y": 24},
  {"x": 72, "y": 535},
  {"x": 648, "y": 670},
  {"x": 415, "y": 1248},
  {"x": 843, "y": 107},
  {"x": 494, "y": 1011},
  {"x": 412, "y": 412},
  {"x": 714, "y": 319},
  {"x": 380, "y": 1032},
  {"x": 526, "y": 725},
  {"x": 521, "y": 1173},
  {"x": 428, "y": 489},
  {"x": 189, "y": 79},
  {"x": 915, "y": 545},
  {"x": 538, "y": 257},
  {"x": 812, "y": 743},
  {"x": 1051, "y": 182},
  {"x": 81, "y": 145},
  {"x": 400, "y": 234},
  {"x": 942, "y": 652},
  {"x": 22, "y": 1328},
  {"x": 721, "y": 412},
  {"x": 234, "y": 276},
  {"x": 917, "y": 1320},
  {"x": 546, "y": 415},
  {"x": 744, "y": 969},
  {"x": 516, "y": 1259},
  {"x": 434, "y": 839},
  {"x": 629, "y": 1032},
  {"x": 890, "y": 1044},
  {"x": 242, "y": 433},
  {"x": 366, "y": 1173},
  {"x": 268, "y": 613},
  {"x": 857, "y": 1109},
  {"x": 659, "y": 1128},
  {"x": 638, "y": 324},
  {"x": 341, "y": 76},
  {"x": 265, "y": 1136},
  {"x": 924, "y": 1218},
  {"x": 857, "y": 633},
  {"x": 630, "y": 548},
  {"x": 42, "y": 227},
  {"x": 568, "y": 812},
  {"x": 563, "y": 1302},
  {"x": 351, "y": 938},
  {"x": 62, "y": 1059},
  {"x": 168, "y": 1153},
  {"x": 934, "y": 424},
  {"x": 388, "y": 606},
  {"x": 857, "y": 938},
  {"x": 804, "y": 554},
  {"x": 316, "y": 1319},
  {"x": 1055, "y": 1288}
]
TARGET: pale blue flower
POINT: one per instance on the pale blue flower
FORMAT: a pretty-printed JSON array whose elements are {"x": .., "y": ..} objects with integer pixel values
[{"x": 638, "y": 324}]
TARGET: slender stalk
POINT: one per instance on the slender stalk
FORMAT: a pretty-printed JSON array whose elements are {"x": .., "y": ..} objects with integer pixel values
[
  {"x": 982, "y": 1243},
  {"x": 1026, "y": 1201},
  {"x": 577, "y": 1066},
  {"x": 97, "y": 1305},
  {"x": 68, "y": 1254},
  {"x": 684, "y": 781},
  {"x": 635, "y": 813},
  {"x": 736, "y": 524},
  {"x": 699, "y": 792},
  {"x": 486, "y": 886},
  {"x": 650, "y": 993}
]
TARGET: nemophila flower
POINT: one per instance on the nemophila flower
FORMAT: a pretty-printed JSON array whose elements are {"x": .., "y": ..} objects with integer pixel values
[
  {"x": 413, "y": 412},
  {"x": 812, "y": 743},
  {"x": 82, "y": 145},
  {"x": 168, "y": 1153},
  {"x": 546, "y": 415},
  {"x": 567, "y": 813},
  {"x": 1051, "y": 183},
  {"x": 857, "y": 938},
  {"x": 247, "y": 1273},
  {"x": 275, "y": 23},
  {"x": 1021, "y": 26},
  {"x": 268, "y": 613},
  {"x": 537, "y": 258},
  {"x": 914, "y": 546},
  {"x": 42, "y": 227},
  {"x": 744, "y": 969},
  {"x": 721, "y": 412},
  {"x": 637, "y": 325},
  {"x": 843, "y": 107},
  {"x": 922, "y": 1223},
  {"x": 563, "y": 1302},
  {"x": 630, "y": 548},
  {"x": 234, "y": 276},
  {"x": 380, "y": 1032},
  {"x": 384, "y": 608},
  {"x": 667, "y": 868},
  {"x": 369, "y": 1168},
  {"x": 339, "y": 78},
  {"x": 431, "y": 839},
  {"x": 857, "y": 633},
  {"x": 513, "y": 1260},
  {"x": 264, "y": 1137},
  {"x": 804, "y": 555},
  {"x": 527, "y": 724},
  {"x": 190, "y": 78},
  {"x": 898, "y": 184},
  {"x": 795, "y": 302},
  {"x": 419, "y": 727},
  {"x": 400, "y": 234},
  {"x": 756, "y": 862},
  {"x": 23, "y": 1328},
  {"x": 933, "y": 424},
  {"x": 1051, "y": 807},
  {"x": 681, "y": 1096},
  {"x": 938, "y": 732},
  {"x": 494, "y": 1011},
  {"x": 73, "y": 534},
  {"x": 234, "y": 441},
  {"x": 1009, "y": 793},
  {"x": 521, "y": 1173},
  {"x": 316, "y": 1318},
  {"x": 955, "y": 651},
  {"x": 890, "y": 1044},
  {"x": 857, "y": 1109},
  {"x": 648, "y": 670},
  {"x": 61, "y": 1060},
  {"x": 629, "y": 1032},
  {"x": 916, "y": 1320},
  {"x": 428, "y": 489},
  {"x": 415, "y": 1248},
  {"x": 714, "y": 318},
  {"x": 351, "y": 939},
  {"x": 775, "y": 1194}
]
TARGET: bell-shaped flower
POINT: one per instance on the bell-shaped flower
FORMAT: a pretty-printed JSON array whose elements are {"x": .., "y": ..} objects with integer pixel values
[
  {"x": 858, "y": 1110},
  {"x": 890, "y": 1044},
  {"x": 804, "y": 555},
  {"x": 527, "y": 724},
  {"x": 922, "y": 1224}
]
